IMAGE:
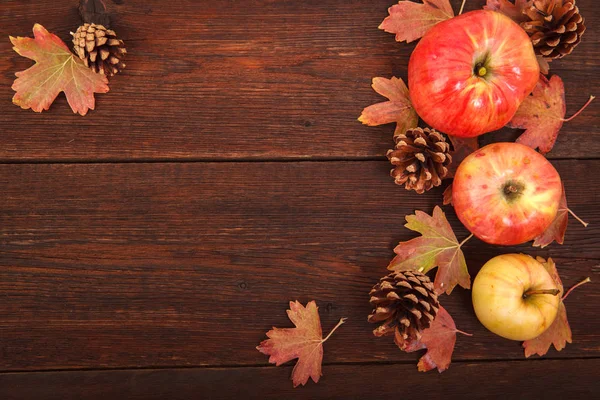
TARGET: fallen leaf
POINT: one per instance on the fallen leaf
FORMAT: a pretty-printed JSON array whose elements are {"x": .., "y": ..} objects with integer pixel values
[
  {"x": 56, "y": 70},
  {"x": 461, "y": 148},
  {"x": 409, "y": 21},
  {"x": 541, "y": 114},
  {"x": 558, "y": 227},
  {"x": 438, "y": 339},
  {"x": 559, "y": 333},
  {"x": 304, "y": 342},
  {"x": 437, "y": 247},
  {"x": 448, "y": 195},
  {"x": 398, "y": 109},
  {"x": 515, "y": 10}
]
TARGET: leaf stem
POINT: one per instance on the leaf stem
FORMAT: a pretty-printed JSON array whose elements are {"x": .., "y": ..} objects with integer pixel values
[
  {"x": 464, "y": 333},
  {"x": 462, "y": 6},
  {"x": 464, "y": 241},
  {"x": 580, "y": 110},
  {"x": 586, "y": 280},
  {"x": 553, "y": 292},
  {"x": 342, "y": 320},
  {"x": 577, "y": 218}
]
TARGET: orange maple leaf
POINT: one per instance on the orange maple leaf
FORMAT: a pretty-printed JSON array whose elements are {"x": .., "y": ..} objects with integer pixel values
[
  {"x": 437, "y": 247},
  {"x": 410, "y": 21},
  {"x": 398, "y": 109},
  {"x": 304, "y": 342},
  {"x": 438, "y": 339},
  {"x": 56, "y": 70},
  {"x": 542, "y": 114}
]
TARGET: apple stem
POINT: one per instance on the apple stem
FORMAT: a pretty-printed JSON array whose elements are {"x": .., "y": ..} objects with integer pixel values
[
  {"x": 342, "y": 320},
  {"x": 462, "y": 6},
  {"x": 580, "y": 110},
  {"x": 586, "y": 280},
  {"x": 577, "y": 218},
  {"x": 464, "y": 333},
  {"x": 464, "y": 241},
  {"x": 553, "y": 292}
]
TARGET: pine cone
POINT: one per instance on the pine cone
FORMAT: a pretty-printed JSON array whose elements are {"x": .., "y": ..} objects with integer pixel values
[
  {"x": 555, "y": 27},
  {"x": 99, "y": 48},
  {"x": 421, "y": 159},
  {"x": 405, "y": 304}
]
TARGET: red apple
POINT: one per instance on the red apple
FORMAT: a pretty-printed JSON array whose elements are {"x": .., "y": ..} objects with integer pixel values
[
  {"x": 469, "y": 74},
  {"x": 506, "y": 193}
]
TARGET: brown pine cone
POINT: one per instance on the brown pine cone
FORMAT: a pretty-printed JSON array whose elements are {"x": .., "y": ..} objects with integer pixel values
[
  {"x": 555, "y": 27},
  {"x": 421, "y": 159},
  {"x": 404, "y": 304},
  {"x": 99, "y": 48}
]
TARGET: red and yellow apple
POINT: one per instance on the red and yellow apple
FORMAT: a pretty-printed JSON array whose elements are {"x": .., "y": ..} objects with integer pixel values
[
  {"x": 469, "y": 74},
  {"x": 515, "y": 297},
  {"x": 506, "y": 193}
]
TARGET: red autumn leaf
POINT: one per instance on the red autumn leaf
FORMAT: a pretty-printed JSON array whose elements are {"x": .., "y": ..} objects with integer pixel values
[
  {"x": 410, "y": 21},
  {"x": 514, "y": 10},
  {"x": 559, "y": 333},
  {"x": 56, "y": 70},
  {"x": 558, "y": 227},
  {"x": 437, "y": 247},
  {"x": 398, "y": 109},
  {"x": 304, "y": 342},
  {"x": 438, "y": 339},
  {"x": 461, "y": 148},
  {"x": 542, "y": 114}
]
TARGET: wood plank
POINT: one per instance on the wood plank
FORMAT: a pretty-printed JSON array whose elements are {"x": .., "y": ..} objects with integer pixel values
[
  {"x": 189, "y": 264},
  {"x": 551, "y": 379},
  {"x": 267, "y": 80}
]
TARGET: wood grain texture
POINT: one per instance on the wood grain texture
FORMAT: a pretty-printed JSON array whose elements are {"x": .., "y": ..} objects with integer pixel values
[
  {"x": 266, "y": 79},
  {"x": 189, "y": 264},
  {"x": 565, "y": 379}
]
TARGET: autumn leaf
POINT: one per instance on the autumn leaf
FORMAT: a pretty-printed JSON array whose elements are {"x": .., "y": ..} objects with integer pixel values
[
  {"x": 557, "y": 229},
  {"x": 438, "y": 339},
  {"x": 398, "y": 109},
  {"x": 542, "y": 114},
  {"x": 409, "y": 21},
  {"x": 304, "y": 342},
  {"x": 56, "y": 70},
  {"x": 437, "y": 247},
  {"x": 559, "y": 333},
  {"x": 514, "y": 10},
  {"x": 448, "y": 196},
  {"x": 461, "y": 148}
]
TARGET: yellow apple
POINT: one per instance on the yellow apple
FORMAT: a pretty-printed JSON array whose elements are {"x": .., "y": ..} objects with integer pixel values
[{"x": 515, "y": 297}]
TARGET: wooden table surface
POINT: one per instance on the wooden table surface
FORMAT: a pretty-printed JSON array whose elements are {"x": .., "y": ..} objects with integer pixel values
[{"x": 146, "y": 248}]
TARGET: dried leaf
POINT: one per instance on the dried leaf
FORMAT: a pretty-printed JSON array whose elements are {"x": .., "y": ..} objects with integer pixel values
[
  {"x": 461, "y": 148},
  {"x": 541, "y": 114},
  {"x": 559, "y": 333},
  {"x": 515, "y": 10},
  {"x": 410, "y": 21},
  {"x": 437, "y": 247},
  {"x": 56, "y": 70},
  {"x": 448, "y": 195},
  {"x": 438, "y": 339},
  {"x": 399, "y": 109},
  {"x": 304, "y": 342},
  {"x": 558, "y": 227}
]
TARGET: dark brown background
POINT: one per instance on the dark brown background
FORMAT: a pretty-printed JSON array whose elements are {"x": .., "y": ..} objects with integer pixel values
[{"x": 146, "y": 248}]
